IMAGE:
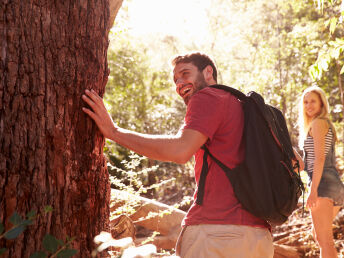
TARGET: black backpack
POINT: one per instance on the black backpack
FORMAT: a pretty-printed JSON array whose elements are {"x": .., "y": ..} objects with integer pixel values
[{"x": 265, "y": 182}]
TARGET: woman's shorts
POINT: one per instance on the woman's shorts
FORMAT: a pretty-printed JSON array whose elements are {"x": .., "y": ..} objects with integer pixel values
[{"x": 331, "y": 186}]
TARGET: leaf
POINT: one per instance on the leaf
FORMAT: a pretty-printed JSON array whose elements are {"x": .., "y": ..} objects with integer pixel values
[
  {"x": 70, "y": 239},
  {"x": 31, "y": 214},
  {"x": 60, "y": 242},
  {"x": 333, "y": 24},
  {"x": 340, "y": 41},
  {"x": 48, "y": 209},
  {"x": 14, "y": 232},
  {"x": 16, "y": 219},
  {"x": 27, "y": 222},
  {"x": 342, "y": 70},
  {"x": 67, "y": 253},
  {"x": 323, "y": 63},
  {"x": 2, "y": 251},
  {"x": 50, "y": 243},
  {"x": 1, "y": 228},
  {"x": 314, "y": 71},
  {"x": 39, "y": 254},
  {"x": 336, "y": 52}
]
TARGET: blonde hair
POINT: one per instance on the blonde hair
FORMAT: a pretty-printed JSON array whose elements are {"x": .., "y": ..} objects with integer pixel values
[{"x": 305, "y": 122}]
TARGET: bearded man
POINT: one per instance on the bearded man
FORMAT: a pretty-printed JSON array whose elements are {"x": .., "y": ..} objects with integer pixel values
[{"x": 219, "y": 227}]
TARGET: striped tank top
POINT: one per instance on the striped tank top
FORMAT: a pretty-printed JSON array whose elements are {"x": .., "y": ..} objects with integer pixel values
[{"x": 309, "y": 149}]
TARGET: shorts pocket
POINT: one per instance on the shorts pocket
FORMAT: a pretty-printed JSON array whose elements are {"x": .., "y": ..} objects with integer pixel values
[{"x": 225, "y": 235}]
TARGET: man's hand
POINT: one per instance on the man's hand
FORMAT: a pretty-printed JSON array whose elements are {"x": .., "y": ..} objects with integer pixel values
[
  {"x": 177, "y": 148},
  {"x": 99, "y": 113}
]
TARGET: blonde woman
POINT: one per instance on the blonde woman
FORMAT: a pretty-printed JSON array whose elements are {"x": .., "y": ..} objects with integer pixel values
[{"x": 317, "y": 138}]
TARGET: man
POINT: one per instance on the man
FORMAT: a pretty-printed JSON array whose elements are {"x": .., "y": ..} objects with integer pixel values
[{"x": 220, "y": 227}]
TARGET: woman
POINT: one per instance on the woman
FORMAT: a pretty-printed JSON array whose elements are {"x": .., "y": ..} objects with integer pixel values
[{"x": 317, "y": 138}]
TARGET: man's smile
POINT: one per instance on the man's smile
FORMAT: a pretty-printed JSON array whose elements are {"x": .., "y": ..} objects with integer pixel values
[{"x": 184, "y": 90}]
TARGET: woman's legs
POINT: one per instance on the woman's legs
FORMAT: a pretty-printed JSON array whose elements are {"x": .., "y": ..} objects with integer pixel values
[
  {"x": 322, "y": 217},
  {"x": 335, "y": 211}
]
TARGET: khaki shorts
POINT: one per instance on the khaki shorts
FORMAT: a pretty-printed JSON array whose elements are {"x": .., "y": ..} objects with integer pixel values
[{"x": 213, "y": 241}]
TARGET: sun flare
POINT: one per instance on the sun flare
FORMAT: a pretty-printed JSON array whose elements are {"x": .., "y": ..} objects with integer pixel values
[{"x": 179, "y": 18}]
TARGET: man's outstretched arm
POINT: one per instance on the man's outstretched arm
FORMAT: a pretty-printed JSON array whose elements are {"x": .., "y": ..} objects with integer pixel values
[{"x": 177, "y": 148}]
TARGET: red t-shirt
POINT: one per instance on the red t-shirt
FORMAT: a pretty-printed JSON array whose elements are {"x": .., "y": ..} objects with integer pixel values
[{"x": 219, "y": 116}]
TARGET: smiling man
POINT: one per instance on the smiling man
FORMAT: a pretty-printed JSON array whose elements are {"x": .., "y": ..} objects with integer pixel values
[{"x": 220, "y": 227}]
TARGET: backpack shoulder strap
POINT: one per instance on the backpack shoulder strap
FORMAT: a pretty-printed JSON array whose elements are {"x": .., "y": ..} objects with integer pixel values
[
  {"x": 240, "y": 95},
  {"x": 204, "y": 173},
  {"x": 218, "y": 162}
]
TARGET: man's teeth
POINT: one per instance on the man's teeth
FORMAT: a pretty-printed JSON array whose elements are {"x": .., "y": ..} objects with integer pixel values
[{"x": 186, "y": 91}]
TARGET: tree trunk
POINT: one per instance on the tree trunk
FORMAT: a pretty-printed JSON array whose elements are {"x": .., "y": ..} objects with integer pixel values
[
  {"x": 51, "y": 153},
  {"x": 341, "y": 90}
]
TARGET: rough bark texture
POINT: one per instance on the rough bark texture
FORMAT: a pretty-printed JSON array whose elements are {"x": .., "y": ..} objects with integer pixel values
[{"x": 50, "y": 152}]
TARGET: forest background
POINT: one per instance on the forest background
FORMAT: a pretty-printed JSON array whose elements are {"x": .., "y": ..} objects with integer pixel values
[{"x": 277, "y": 48}]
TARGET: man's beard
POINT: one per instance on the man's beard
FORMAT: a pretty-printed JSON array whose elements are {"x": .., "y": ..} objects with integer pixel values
[
  {"x": 200, "y": 82},
  {"x": 198, "y": 85}
]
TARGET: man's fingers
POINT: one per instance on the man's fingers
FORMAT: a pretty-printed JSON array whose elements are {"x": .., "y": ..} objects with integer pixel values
[
  {"x": 93, "y": 96},
  {"x": 93, "y": 99},
  {"x": 90, "y": 113},
  {"x": 91, "y": 103}
]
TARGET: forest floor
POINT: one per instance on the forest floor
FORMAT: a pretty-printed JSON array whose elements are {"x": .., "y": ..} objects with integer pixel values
[
  {"x": 294, "y": 237},
  {"x": 297, "y": 233},
  {"x": 291, "y": 239}
]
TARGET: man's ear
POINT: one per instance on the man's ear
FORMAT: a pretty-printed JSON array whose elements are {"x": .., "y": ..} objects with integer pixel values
[{"x": 208, "y": 74}]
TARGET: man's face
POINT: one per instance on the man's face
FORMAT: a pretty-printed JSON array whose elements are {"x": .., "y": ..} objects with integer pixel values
[{"x": 188, "y": 80}]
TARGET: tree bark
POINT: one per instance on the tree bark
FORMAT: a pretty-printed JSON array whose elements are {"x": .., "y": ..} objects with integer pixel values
[
  {"x": 51, "y": 153},
  {"x": 341, "y": 90}
]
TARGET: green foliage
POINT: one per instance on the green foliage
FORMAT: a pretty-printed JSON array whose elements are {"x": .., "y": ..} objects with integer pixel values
[
  {"x": 133, "y": 180},
  {"x": 53, "y": 247},
  {"x": 19, "y": 225},
  {"x": 141, "y": 98},
  {"x": 138, "y": 97},
  {"x": 48, "y": 209},
  {"x": 2, "y": 251},
  {"x": 39, "y": 254},
  {"x": 50, "y": 243},
  {"x": 130, "y": 181}
]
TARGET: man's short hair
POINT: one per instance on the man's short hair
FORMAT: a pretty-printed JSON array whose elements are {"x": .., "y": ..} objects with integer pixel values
[{"x": 200, "y": 60}]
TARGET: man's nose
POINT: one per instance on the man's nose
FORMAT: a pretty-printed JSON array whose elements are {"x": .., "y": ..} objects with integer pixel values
[{"x": 179, "y": 83}]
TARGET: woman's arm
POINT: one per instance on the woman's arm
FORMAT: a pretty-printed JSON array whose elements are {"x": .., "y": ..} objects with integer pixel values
[
  {"x": 319, "y": 129},
  {"x": 299, "y": 158}
]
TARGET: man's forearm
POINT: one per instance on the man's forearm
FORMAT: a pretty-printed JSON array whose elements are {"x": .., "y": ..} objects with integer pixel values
[
  {"x": 178, "y": 148},
  {"x": 158, "y": 147}
]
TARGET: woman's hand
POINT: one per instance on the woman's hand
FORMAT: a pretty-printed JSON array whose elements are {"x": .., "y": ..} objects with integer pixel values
[
  {"x": 99, "y": 113},
  {"x": 312, "y": 200}
]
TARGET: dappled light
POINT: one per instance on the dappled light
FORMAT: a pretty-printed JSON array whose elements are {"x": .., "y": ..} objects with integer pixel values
[
  {"x": 265, "y": 46},
  {"x": 72, "y": 72}
]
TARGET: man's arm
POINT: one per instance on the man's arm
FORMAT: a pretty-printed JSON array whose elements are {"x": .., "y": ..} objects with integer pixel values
[
  {"x": 299, "y": 158},
  {"x": 177, "y": 148}
]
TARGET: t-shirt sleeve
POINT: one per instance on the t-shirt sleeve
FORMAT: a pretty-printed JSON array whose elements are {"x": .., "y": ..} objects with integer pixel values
[{"x": 204, "y": 113}]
